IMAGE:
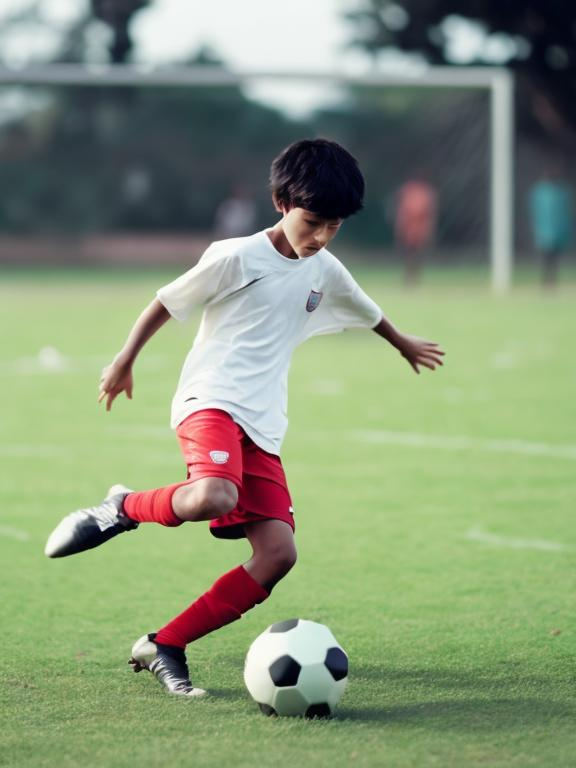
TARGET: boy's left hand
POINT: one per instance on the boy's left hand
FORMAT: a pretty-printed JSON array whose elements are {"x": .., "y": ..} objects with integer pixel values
[{"x": 420, "y": 352}]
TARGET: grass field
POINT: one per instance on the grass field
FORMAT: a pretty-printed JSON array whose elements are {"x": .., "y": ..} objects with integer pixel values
[{"x": 435, "y": 523}]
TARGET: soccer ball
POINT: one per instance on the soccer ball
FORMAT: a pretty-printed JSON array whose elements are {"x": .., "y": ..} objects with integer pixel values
[{"x": 296, "y": 667}]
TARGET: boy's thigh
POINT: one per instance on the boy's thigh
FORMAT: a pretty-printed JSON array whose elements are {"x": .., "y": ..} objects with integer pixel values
[{"x": 211, "y": 443}]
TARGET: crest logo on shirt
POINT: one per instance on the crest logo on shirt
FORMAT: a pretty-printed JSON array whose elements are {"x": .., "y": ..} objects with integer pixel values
[
  {"x": 219, "y": 457},
  {"x": 314, "y": 299}
]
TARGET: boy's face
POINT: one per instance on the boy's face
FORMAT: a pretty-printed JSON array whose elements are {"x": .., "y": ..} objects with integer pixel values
[{"x": 307, "y": 232}]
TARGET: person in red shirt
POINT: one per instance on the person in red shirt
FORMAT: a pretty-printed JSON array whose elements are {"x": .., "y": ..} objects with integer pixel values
[{"x": 415, "y": 225}]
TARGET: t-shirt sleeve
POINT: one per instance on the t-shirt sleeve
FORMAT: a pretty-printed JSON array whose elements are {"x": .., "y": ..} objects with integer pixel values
[
  {"x": 215, "y": 276},
  {"x": 344, "y": 305}
]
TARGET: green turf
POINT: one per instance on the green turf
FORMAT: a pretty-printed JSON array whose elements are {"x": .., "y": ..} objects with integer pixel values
[{"x": 461, "y": 650}]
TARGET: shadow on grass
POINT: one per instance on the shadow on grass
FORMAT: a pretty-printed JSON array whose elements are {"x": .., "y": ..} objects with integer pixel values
[
  {"x": 233, "y": 695},
  {"x": 466, "y": 714},
  {"x": 448, "y": 700}
]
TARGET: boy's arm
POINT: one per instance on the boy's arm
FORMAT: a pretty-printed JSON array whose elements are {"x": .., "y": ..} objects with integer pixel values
[
  {"x": 415, "y": 350},
  {"x": 117, "y": 377}
]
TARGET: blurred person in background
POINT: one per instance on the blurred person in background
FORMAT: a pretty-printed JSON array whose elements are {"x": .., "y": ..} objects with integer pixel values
[
  {"x": 236, "y": 215},
  {"x": 551, "y": 207},
  {"x": 415, "y": 224}
]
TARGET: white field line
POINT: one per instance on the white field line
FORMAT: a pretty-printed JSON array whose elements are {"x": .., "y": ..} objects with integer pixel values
[
  {"x": 512, "y": 445},
  {"x": 14, "y": 533},
  {"x": 476, "y": 534}
]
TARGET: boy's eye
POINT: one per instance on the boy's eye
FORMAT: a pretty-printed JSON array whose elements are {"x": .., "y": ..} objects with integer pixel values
[
  {"x": 334, "y": 225},
  {"x": 312, "y": 223}
]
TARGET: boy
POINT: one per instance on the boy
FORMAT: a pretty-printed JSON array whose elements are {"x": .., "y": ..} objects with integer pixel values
[{"x": 262, "y": 295}]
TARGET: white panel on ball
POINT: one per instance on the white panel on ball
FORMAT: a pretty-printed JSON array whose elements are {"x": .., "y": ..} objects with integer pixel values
[{"x": 289, "y": 702}]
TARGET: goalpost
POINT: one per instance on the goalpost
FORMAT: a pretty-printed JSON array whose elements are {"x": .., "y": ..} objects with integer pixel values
[{"x": 498, "y": 82}]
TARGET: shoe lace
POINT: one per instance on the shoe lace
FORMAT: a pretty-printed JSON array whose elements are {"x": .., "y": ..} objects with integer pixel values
[{"x": 110, "y": 513}]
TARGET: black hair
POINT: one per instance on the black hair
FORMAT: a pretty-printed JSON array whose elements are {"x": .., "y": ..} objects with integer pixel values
[{"x": 320, "y": 176}]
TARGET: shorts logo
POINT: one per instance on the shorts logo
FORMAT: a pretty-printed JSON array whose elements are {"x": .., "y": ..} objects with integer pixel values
[
  {"x": 314, "y": 299},
  {"x": 219, "y": 457}
]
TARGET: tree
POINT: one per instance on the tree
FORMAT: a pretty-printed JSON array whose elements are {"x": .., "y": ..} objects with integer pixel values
[
  {"x": 536, "y": 38},
  {"x": 118, "y": 14},
  {"x": 67, "y": 39}
]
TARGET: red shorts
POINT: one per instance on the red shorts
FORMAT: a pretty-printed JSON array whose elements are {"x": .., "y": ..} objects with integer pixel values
[{"x": 213, "y": 445}]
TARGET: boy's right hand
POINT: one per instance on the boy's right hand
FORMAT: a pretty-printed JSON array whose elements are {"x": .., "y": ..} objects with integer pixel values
[{"x": 116, "y": 378}]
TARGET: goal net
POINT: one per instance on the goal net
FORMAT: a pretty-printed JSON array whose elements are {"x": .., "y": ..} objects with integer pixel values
[{"x": 120, "y": 165}]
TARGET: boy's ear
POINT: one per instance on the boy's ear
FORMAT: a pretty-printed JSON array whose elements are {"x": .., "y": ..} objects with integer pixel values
[{"x": 279, "y": 206}]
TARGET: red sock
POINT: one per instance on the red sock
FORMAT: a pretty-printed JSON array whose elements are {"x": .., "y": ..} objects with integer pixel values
[
  {"x": 153, "y": 506},
  {"x": 226, "y": 600}
]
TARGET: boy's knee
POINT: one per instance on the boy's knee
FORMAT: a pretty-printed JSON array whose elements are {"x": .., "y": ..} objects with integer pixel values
[
  {"x": 205, "y": 499},
  {"x": 283, "y": 559}
]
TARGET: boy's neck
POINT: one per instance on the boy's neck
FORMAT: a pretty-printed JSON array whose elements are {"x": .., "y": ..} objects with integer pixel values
[{"x": 280, "y": 242}]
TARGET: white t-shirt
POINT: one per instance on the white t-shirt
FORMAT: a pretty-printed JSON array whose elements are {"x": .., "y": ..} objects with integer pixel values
[{"x": 258, "y": 307}]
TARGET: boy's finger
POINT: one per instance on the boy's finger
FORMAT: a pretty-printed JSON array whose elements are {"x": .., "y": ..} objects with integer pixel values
[
  {"x": 431, "y": 355},
  {"x": 431, "y": 346},
  {"x": 430, "y": 361},
  {"x": 102, "y": 395}
]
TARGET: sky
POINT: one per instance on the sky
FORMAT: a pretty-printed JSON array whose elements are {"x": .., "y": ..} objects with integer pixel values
[
  {"x": 255, "y": 34},
  {"x": 284, "y": 34},
  {"x": 252, "y": 35}
]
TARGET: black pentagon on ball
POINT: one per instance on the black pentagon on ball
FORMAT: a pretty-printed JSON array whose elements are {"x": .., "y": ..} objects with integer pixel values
[
  {"x": 284, "y": 671},
  {"x": 319, "y": 710},
  {"x": 267, "y": 710},
  {"x": 336, "y": 662},
  {"x": 284, "y": 626}
]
